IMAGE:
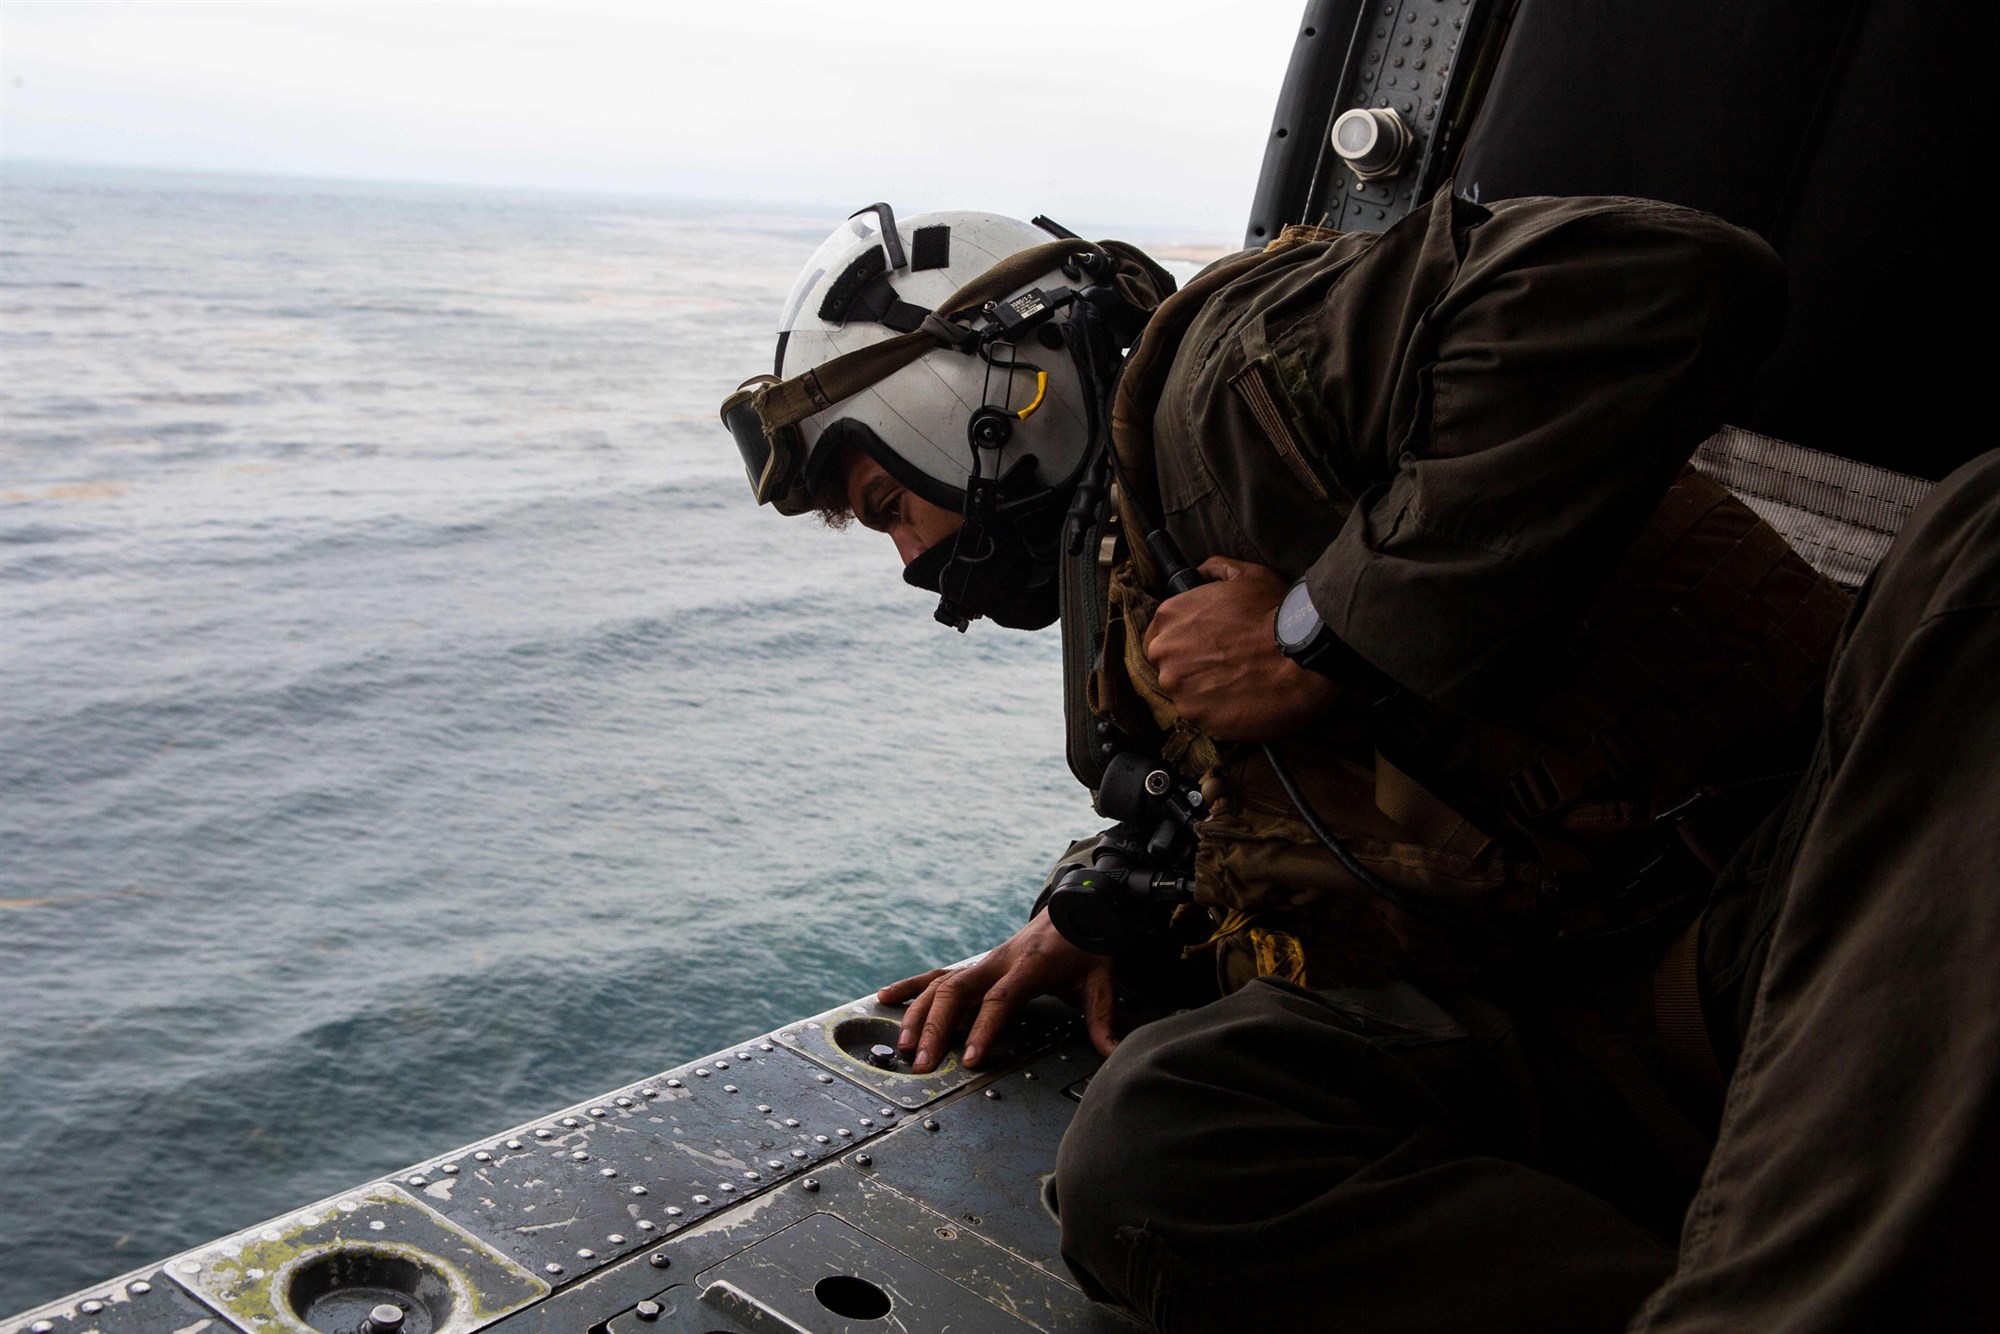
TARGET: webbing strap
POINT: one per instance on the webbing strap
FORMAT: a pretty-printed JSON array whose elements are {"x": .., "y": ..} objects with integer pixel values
[
  {"x": 1678, "y": 1015},
  {"x": 1424, "y": 814},
  {"x": 792, "y": 401}
]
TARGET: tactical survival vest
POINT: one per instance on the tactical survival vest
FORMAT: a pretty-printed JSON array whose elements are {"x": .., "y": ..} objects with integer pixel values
[{"x": 1596, "y": 810}]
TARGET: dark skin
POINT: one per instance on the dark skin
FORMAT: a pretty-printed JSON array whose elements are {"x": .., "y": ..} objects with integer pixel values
[{"x": 1217, "y": 658}]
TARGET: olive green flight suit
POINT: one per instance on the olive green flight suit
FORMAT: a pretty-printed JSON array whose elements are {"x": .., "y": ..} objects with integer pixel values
[
  {"x": 1520, "y": 387},
  {"x": 1382, "y": 1159}
]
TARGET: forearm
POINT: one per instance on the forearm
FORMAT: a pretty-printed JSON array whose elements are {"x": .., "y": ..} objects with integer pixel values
[{"x": 1564, "y": 374}]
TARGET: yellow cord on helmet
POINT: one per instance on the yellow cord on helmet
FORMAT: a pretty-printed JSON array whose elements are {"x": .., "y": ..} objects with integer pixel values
[{"x": 1041, "y": 388}]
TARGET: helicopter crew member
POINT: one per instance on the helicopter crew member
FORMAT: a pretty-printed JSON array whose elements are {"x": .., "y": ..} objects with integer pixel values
[{"x": 1476, "y": 690}]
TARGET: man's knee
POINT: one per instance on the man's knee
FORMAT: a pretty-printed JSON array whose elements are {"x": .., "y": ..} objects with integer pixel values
[
  {"x": 1117, "y": 1145},
  {"x": 1202, "y": 1125}
]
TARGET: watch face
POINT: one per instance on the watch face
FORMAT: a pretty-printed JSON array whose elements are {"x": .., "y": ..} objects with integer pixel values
[{"x": 1298, "y": 620}]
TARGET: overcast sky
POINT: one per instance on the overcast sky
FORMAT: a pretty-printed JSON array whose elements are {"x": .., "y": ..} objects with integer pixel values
[{"x": 1148, "y": 114}]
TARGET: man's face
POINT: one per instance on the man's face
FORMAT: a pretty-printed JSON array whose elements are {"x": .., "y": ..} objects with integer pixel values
[{"x": 886, "y": 505}]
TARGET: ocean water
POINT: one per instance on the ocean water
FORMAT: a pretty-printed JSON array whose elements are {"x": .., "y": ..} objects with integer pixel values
[{"x": 407, "y": 724}]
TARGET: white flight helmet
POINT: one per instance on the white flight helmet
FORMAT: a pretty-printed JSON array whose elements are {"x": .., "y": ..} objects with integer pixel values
[{"x": 974, "y": 354}]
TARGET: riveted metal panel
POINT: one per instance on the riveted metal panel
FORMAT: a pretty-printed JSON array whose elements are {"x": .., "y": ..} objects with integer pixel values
[
  {"x": 610, "y": 1177},
  {"x": 625, "y": 1197},
  {"x": 249, "y": 1276},
  {"x": 841, "y": 1040},
  {"x": 139, "y": 1304},
  {"x": 800, "y": 1275},
  {"x": 987, "y": 1165}
]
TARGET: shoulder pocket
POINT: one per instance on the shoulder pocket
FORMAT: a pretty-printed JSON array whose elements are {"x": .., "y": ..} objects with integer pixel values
[{"x": 1263, "y": 393}]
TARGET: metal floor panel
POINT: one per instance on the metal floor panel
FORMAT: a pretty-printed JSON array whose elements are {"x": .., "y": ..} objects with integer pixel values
[{"x": 660, "y": 1190}]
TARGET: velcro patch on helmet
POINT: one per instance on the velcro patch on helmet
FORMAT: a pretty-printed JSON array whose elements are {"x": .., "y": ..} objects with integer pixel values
[
  {"x": 930, "y": 248},
  {"x": 867, "y": 266}
]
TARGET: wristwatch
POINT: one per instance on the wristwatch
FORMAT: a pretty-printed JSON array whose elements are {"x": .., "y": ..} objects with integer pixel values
[{"x": 1303, "y": 637}]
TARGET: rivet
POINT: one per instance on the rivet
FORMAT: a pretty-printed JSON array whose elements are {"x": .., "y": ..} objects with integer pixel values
[
  {"x": 417, "y": 1181},
  {"x": 702, "y": 1071},
  {"x": 482, "y": 1157},
  {"x": 376, "y": 1225},
  {"x": 729, "y": 1088},
  {"x": 750, "y": 1174},
  {"x": 449, "y": 1169},
  {"x": 513, "y": 1144},
  {"x": 993, "y": 1094},
  {"x": 889, "y": 1112},
  {"x": 638, "y": 1190},
  {"x": 1031, "y": 1075},
  {"x": 648, "y": 1310},
  {"x": 722, "y": 1065},
  {"x": 764, "y": 1107},
  {"x": 792, "y": 1121},
  {"x": 599, "y": 1111},
  {"x": 140, "y": 1289},
  {"x": 616, "y": 1239},
  {"x": 91, "y": 1307},
  {"x": 623, "y": 1102},
  {"x": 864, "y": 1160},
  {"x": 798, "y": 1153},
  {"x": 775, "y": 1165},
  {"x": 810, "y": 1183},
  {"x": 607, "y": 1171},
  {"x": 821, "y": 1139},
  {"x": 585, "y": 1253},
  {"x": 765, "y": 1046},
  {"x": 41, "y": 1327},
  {"x": 649, "y": 1093},
  {"x": 544, "y": 1132},
  {"x": 742, "y": 1055},
  {"x": 673, "y": 1211},
  {"x": 701, "y": 1199},
  {"x": 658, "y": 1259},
  {"x": 867, "y": 1121},
  {"x": 386, "y": 1316},
  {"x": 825, "y": 1079},
  {"x": 646, "y": 1225},
  {"x": 552, "y": 1267},
  {"x": 727, "y": 1187},
  {"x": 930, "y": 1123},
  {"x": 571, "y": 1122},
  {"x": 579, "y": 1156},
  {"x": 675, "y": 1084}
]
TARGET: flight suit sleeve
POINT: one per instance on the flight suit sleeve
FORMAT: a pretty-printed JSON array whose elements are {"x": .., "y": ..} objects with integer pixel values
[{"x": 1566, "y": 359}]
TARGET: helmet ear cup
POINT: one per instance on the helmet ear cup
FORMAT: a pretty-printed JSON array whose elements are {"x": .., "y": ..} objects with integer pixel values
[{"x": 990, "y": 428}]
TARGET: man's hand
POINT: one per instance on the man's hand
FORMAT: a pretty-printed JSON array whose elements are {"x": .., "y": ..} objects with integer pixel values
[
  {"x": 1218, "y": 659},
  {"x": 1035, "y": 961}
]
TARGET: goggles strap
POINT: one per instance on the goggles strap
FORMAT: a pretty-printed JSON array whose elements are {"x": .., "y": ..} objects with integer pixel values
[{"x": 790, "y": 402}]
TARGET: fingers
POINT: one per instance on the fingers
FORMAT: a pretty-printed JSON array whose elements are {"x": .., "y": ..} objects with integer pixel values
[
  {"x": 947, "y": 1000},
  {"x": 1224, "y": 569},
  {"x": 936, "y": 1014},
  {"x": 1000, "y": 1004},
  {"x": 1099, "y": 986},
  {"x": 913, "y": 1017},
  {"x": 898, "y": 992}
]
